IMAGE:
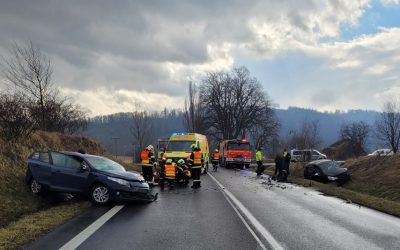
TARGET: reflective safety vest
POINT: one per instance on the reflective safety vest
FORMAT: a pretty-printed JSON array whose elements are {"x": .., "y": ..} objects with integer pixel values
[
  {"x": 144, "y": 156},
  {"x": 170, "y": 171},
  {"x": 216, "y": 156},
  {"x": 197, "y": 158}
]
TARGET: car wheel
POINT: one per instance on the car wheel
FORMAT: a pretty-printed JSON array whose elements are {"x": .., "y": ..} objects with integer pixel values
[
  {"x": 36, "y": 187},
  {"x": 100, "y": 195}
]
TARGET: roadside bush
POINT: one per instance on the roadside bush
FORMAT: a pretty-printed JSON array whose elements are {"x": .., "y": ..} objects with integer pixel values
[{"x": 16, "y": 121}]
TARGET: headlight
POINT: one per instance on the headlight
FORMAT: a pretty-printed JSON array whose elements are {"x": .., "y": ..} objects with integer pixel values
[
  {"x": 331, "y": 178},
  {"x": 119, "y": 181}
]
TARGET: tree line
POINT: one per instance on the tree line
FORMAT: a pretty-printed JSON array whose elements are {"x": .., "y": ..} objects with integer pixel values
[
  {"x": 31, "y": 100},
  {"x": 231, "y": 105}
]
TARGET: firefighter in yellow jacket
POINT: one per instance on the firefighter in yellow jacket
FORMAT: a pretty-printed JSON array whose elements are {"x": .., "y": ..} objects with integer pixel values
[
  {"x": 196, "y": 161},
  {"x": 168, "y": 172}
]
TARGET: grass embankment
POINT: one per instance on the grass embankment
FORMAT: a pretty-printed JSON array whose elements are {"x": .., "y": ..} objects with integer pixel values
[
  {"x": 25, "y": 216},
  {"x": 375, "y": 183}
]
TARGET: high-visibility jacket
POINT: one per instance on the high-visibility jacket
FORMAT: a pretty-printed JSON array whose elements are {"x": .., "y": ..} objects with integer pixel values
[
  {"x": 197, "y": 157},
  {"x": 170, "y": 171},
  {"x": 259, "y": 155},
  {"x": 144, "y": 156},
  {"x": 216, "y": 156}
]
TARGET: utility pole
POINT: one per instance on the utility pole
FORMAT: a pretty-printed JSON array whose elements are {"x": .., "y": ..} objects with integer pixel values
[{"x": 115, "y": 146}]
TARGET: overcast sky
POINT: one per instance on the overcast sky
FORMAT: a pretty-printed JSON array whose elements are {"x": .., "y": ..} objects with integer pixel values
[{"x": 318, "y": 54}]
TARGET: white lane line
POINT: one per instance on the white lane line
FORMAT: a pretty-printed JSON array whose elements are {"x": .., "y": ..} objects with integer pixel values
[
  {"x": 237, "y": 205},
  {"x": 85, "y": 234}
]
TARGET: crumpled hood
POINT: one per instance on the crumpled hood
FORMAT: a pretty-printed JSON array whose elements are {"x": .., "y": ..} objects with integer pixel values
[{"x": 129, "y": 175}]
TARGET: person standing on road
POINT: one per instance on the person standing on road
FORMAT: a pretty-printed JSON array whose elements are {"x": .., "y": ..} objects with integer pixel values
[
  {"x": 147, "y": 158},
  {"x": 215, "y": 160},
  {"x": 285, "y": 166},
  {"x": 161, "y": 163},
  {"x": 259, "y": 158},
  {"x": 196, "y": 160},
  {"x": 278, "y": 163}
]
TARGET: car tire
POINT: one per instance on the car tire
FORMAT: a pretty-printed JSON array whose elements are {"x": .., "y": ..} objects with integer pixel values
[
  {"x": 35, "y": 187},
  {"x": 100, "y": 194}
]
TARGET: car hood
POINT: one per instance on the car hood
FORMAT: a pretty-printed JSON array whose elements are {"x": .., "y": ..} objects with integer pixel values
[{"x": 129, "y": 175}]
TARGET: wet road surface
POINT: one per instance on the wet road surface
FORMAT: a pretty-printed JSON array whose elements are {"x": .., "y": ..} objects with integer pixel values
[{"x": 293, "y": 216}]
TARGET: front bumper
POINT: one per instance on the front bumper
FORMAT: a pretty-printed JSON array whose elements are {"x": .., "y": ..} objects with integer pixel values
[{"x": 135, "y": 192}]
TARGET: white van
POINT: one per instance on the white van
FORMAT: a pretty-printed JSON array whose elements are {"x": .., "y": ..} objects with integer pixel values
[
  {"x": 381, "y": 152},
  {"x": 301, "y": 155}
]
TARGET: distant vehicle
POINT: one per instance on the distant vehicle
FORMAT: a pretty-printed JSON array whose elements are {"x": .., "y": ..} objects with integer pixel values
[
  {"x": 235, "y": 153},
  {"x": 381, "y": 152},
  {"x": 326, "y": 171},
  {"x": 97, "y": 177},
  {"x": 306, "y": 155},
  {"x": 178, "y": 146}
]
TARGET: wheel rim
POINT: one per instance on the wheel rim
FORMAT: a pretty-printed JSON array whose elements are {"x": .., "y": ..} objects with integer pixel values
[
  {"x": 35, "y": 187},
  {"x": 101, "y": 195}
]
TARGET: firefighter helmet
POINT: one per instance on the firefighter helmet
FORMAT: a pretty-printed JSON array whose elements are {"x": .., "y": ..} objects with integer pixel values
[
  {"x": 181, "y": 161},
  {"x": 216, "y": 150},
  {"x": 150, "y": 148},
  {"x": 169, "y": 161},
  {"x": 193, "y": 146}
]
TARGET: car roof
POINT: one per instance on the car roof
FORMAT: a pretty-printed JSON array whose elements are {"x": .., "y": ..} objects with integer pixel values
[
  {"x": 318, "y": 161},
  {"x": 78, "y": 154}
]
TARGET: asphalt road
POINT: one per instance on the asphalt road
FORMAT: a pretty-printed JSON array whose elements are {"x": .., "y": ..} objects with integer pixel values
[{"x": 262, "y": 215}]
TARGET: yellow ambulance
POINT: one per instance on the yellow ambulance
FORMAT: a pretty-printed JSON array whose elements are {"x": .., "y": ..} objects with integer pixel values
[{"x": 178, "y": 146}]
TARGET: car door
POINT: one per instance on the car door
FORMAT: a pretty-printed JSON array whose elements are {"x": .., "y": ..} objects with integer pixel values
[
  {"x": 40, "y": 167},
  {"x": 67, "y": 174}
]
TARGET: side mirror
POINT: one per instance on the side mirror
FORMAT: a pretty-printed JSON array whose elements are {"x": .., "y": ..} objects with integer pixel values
[{"x": 84, "y": 167}]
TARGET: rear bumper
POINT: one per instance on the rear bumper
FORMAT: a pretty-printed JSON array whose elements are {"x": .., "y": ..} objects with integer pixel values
[{"x": 237, "y": 161}]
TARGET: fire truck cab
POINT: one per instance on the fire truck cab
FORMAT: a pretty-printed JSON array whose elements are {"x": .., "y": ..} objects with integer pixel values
[{"x": 235, "y": 153}]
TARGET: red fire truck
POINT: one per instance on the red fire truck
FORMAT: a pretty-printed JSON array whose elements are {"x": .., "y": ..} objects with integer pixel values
[{"x": 235, "y": 153}]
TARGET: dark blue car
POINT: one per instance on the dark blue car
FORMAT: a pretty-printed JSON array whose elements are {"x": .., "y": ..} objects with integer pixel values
[{"x": 99, "y": 178}]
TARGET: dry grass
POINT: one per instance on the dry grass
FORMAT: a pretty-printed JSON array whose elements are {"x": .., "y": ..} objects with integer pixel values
[
  {"x": 31, "y": 226},
  {"x": 375, "y": 183}
]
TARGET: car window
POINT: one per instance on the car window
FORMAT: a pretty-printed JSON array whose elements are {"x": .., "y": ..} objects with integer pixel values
[
  {"x": 58, "y": 159},
  {"x": 314, "y": 152},
  {"x": 62, "y": 160},
  {"x": 72, "y": 163},
  {"x": 44, "y": 157},
  {"x": 35, "y": 156}
]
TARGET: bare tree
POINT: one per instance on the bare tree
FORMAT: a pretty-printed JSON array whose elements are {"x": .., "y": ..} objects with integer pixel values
[
  {"x": 235, "y": 103},
  {"x": 387, "y": 126},
  {"x": 193, "y": 112},
  {"x": 357, "y": 134},
  {"x": 265, "y": 130},
  {"x": 307, "y": 137},
  {"x": 15, "y": 118},
  {"x": 30, "y": 71},
  {"x": 141, "y": 129}
]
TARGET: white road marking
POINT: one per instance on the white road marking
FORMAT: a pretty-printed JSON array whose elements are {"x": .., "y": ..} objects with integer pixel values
[
  {"x": 85, "y": 234},
  {"x": 237, "y": 205}
]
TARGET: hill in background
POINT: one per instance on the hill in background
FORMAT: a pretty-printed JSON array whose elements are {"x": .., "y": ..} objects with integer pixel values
[{"x": 104, "y": 128}]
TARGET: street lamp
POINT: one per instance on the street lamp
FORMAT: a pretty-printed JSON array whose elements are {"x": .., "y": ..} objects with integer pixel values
[{"x": 115, "y": 144}]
